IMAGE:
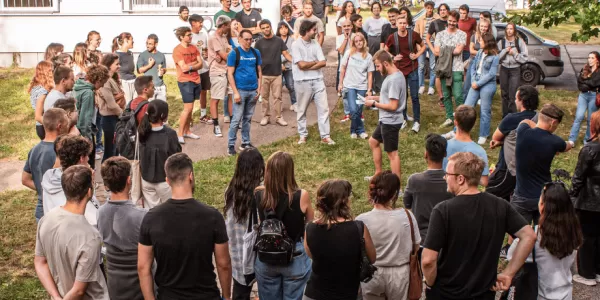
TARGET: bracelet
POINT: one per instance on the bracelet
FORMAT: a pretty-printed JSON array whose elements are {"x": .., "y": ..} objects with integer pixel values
[{"x": 374, "y": 102}]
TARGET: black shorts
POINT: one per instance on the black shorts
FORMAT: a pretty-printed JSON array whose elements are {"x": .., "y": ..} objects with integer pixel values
[
  {"x": 205, "y": 81},
  {"x": 501, "y": 184},
  {"x": 388, "y": 135}
]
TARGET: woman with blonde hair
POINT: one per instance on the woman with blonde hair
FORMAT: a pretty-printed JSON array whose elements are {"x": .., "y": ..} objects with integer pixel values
[
  {"x": 356, "y": 80},
  {"x": 482, "y": 27},
  {"x": 122, "y": 45},
  {"x": 281, "y": 198},
  {"x": 80, "y": 60},
  {"x": 53, "y": 50},
  {"x": 39, "y": 87}
]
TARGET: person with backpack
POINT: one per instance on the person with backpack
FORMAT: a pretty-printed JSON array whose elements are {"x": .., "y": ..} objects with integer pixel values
[
  {"x": 241, "y": 215},
  {"x": 282, "y": 266},
  {"x": 395, "y": 235},
  {"x": 406, "y": 46},
  {"x": 110, "y": 102},
  {"x": 334, "y": 243},
  {"x": 126, "y": 129},
  {"x": 157, "y": 142},
  {"x": 245, "y": 77},
  {"x": 513, "y": 52}
]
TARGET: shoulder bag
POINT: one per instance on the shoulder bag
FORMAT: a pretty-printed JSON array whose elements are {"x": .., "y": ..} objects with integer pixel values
[
  {"x": 415, "y": 285},
  {"x": 366, "y": 268}
]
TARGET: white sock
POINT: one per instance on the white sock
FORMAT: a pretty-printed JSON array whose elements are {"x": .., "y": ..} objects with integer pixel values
[{"x": 202, "y": 112}]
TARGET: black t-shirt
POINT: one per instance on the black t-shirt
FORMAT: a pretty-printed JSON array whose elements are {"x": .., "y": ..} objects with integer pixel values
[
  {"x": 437, "y": 26},
  {"x": 508, "y": 125},
  {"x": 183, "y": 234},
  {"x": 290, "y": 214},
  {"x": 534, "y": 153},
  {"x": 468, "y": 231},
  {"x": 270, "y": 52},
  {"x": 386, "y": 31},
  {"x": 335, "y": 261},
  {"x": 248, "y": 21}
]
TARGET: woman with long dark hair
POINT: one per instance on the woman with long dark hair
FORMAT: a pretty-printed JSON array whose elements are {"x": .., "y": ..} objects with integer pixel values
[
  {"x": 290, "y": 204},
  {"x": 391, "y": 232},
  {"x": 588, "y": 83},
  {"x": 346, "y": 12},
  {"x": 586, "y": 199},
  {"x": 558, "y": 236},
  {"x": 513, "y": 51},
  {"x": 333, "y": 243},
  {"x": 285, "y": 33},
  {"x": 39, "y": 87},
  {"x": 157, "y": 142},
  {"x": 357, "y": 22},
  {"x": 122, "y": 45},
  {"x": 483, "y": 70},
  {"x": 239, "y": 206},
  {"x": 109, "y": 105},
  {"x": 53, "y": 50}
]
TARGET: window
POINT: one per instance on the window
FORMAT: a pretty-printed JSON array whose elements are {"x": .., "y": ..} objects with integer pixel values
[
  {"x": 173, "y": 5},
  {"x": 27, "y": 3}
]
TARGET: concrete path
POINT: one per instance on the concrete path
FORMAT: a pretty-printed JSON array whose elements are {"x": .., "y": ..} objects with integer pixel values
[{"x": 575, "y": 57}]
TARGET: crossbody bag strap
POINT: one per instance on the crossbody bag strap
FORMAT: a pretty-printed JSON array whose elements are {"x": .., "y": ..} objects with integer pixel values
[{"x": 412, "y": 229}]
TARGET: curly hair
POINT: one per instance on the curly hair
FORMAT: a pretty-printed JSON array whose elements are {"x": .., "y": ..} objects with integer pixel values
[
  {"x": 97, "y": 73},
  {"x": 71, "y": 149},
  {"x": 115, "y": 171},
  {"x": 43, "y": 76},
  {"x": 333, "y": 201},
  {"x": 384, "y": 188}
]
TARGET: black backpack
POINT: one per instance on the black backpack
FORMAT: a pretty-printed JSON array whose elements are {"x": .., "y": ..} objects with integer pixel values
[
  {"x": 273, "y": 244},
  {"x": 238, "y": 55},
  {"x": 126, "y": 130}
]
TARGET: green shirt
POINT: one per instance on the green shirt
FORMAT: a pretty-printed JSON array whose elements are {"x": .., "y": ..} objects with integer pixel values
[{"x": 230, "y": 14}]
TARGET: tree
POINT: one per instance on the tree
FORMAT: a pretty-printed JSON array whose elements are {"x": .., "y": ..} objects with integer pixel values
[{"x": 550, "y": 13}]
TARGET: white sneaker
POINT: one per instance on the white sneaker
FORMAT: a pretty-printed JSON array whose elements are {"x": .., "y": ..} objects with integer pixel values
[
  {"x": 293, "y": 107},
  {"x": 364, "y": 135},
  {"x": 580, "y": 279},
  {"x": 353, "y": 136},
  {"x": 191, "y": 136},
  {"x": 416, "y": 127},
  {"x": 447, "y": 123},
  {"x": 449, "y": 135},
  {"x": 404, "y": 124},
  {"x": 482, "y": 140},
  {"x": 98, "y": 156},
  {"x": 409, "y": 118},
  {"x": 479, "y": 102},
  {"x": 431, "y": 91},
  {"x": 598, "y": 278},
  {"x": 226, "y": 119},
  {"x": 421, "y": 90},
  {"x": 339, "y": 94},
  {"x": 181, "y": 140}
]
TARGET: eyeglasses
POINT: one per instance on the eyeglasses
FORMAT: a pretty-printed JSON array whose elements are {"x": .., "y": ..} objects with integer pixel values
[
  {"x": 247, "y": 39},
  {"x": 446, "y": 174}
]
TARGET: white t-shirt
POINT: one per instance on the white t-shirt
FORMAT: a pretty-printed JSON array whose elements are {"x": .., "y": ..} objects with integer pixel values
[
  {"x": 390, "y": 231},
  {"x": 357, "y": 70},
  {"x": 373, "y": 26},
  {"x": 203, "y": 37}
]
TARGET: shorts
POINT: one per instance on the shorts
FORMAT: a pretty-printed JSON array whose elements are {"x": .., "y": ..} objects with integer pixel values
[
  {"x": 190, "y": 91},
  {"x": 388, "y": 135},
  {"x": 205, "y": 81},
  {"x": 520, "y": 205},
  {"x": 501, "y": 184},
  {"x": 220, "y": 87}
]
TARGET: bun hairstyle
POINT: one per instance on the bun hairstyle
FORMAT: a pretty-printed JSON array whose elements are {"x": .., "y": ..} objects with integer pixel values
[
  {"x": 119, "y": 40},
  {"x": 384, "y": 188},
  {"x": 333, "y": 201}
]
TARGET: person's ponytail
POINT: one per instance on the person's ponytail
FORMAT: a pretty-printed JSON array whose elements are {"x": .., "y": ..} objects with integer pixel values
[
  {"x": 115, "y": 44},
  {"x": 156, "y": 113},
  {"x": 144, "y": 128}
]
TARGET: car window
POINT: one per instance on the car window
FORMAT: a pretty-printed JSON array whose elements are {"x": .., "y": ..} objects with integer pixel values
[{"x": 522, "y": 35}]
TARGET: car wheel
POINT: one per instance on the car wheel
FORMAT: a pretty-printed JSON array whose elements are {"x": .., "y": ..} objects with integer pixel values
[{"x": 530, "y": 74}]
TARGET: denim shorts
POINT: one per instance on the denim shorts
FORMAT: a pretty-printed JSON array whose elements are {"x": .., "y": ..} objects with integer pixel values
[{"x": 190, "y": 91}]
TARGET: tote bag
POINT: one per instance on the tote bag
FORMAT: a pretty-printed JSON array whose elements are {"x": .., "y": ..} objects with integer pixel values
[{"x": 136, "y": 177}]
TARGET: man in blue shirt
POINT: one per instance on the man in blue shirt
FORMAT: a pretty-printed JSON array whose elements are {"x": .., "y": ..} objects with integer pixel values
[
  {"x": 153, "y": 62},
  {"x": 244, "y": 74},
  {"x": 464, "y": 120}
]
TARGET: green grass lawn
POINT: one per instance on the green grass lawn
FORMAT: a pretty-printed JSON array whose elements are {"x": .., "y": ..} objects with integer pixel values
[{"x": 349, "y": 159}]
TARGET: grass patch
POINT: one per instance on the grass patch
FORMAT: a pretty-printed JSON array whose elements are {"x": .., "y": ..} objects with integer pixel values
[{"x": 315, "y": 162}]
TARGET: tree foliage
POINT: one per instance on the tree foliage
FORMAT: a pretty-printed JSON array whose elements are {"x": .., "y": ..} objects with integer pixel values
[{"x": 550, "y": 13}]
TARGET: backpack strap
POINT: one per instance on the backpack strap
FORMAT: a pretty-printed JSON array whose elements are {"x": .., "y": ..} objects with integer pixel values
[
  {"x": 410, "y": 40},
  {"x": 139, "y": 107},
  {"x": 396, "y": 43},
  {"x": 237, "y": 57},
  {"x": 517, "y": 43},
  {"x": 253, "y": 217},
  {"x": 361, "y": 229},
  {"x": 256, "y": 61}
]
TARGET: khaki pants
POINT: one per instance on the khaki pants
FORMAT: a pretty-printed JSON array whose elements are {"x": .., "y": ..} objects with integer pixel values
[
  {"x": 387, "y": 283},
  {"x": 155, "y": 193},
  {"x": 271, "y": 85}
]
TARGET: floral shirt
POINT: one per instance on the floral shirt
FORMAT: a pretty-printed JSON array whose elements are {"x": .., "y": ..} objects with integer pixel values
[{"x": 444, "y": 38}]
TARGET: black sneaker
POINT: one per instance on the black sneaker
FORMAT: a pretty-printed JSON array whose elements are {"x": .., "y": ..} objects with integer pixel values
[
  {"x": 231, "y": 151},
  {"x": 244, "y": 146},
  {"x": 504, "y": 251}
]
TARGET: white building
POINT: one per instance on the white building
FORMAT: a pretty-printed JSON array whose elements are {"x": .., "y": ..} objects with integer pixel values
[{"x": 28, "y": 26}]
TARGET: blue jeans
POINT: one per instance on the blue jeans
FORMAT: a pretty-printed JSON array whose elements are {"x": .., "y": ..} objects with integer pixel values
[
  {"x": 356, "y": 125},
  {"x": 412, "y": 83},
  {"x": 585, "y": 102},
  {"x": 421, "y": 61},
  {"x": 485, "y": 93},
  {"x": 288, "y": 80},
  {"x": 99, "y": 133},
  {"x": 242, "y": 114},
  {"x": 285, "y": 283},
  {"x": 226, "y": 106}
]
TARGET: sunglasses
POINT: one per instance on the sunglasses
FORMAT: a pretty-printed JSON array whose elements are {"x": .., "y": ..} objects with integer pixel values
[{"x": 553, "y": 183}]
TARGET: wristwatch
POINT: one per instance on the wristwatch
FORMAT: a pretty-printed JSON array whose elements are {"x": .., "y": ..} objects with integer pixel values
[{"x": 373, "y": 105}]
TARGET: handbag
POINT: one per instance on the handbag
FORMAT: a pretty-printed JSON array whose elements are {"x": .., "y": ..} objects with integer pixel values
[
  {"x": 137, "y": 196},
  {"x": 526, "y": 281},
  {"x": 415, "y": 285},
  {"x": 248, "y": 252},
  {"x": 366, "y": 268}
]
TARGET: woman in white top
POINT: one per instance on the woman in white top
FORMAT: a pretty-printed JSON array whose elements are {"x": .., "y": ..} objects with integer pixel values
[
  {"x": 373, "y": 26},
  {"x": 348, "y": 10},
  {"x": 80, "y": 60},
  {"x": 390, "y": 230},
  {"x": 558, "y": 236},
  {"x": 356, "y": 80}
]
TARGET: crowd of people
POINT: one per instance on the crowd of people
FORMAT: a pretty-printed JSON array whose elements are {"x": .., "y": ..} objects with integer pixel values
[{"x": 270, "y": 232}]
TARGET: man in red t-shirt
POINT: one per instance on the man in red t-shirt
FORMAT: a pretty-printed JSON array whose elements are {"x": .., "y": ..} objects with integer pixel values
[
  {"x": 468, "y": 25},
  {"x": 187, "y": 62},
  {"x": 406, "y": 61}
]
